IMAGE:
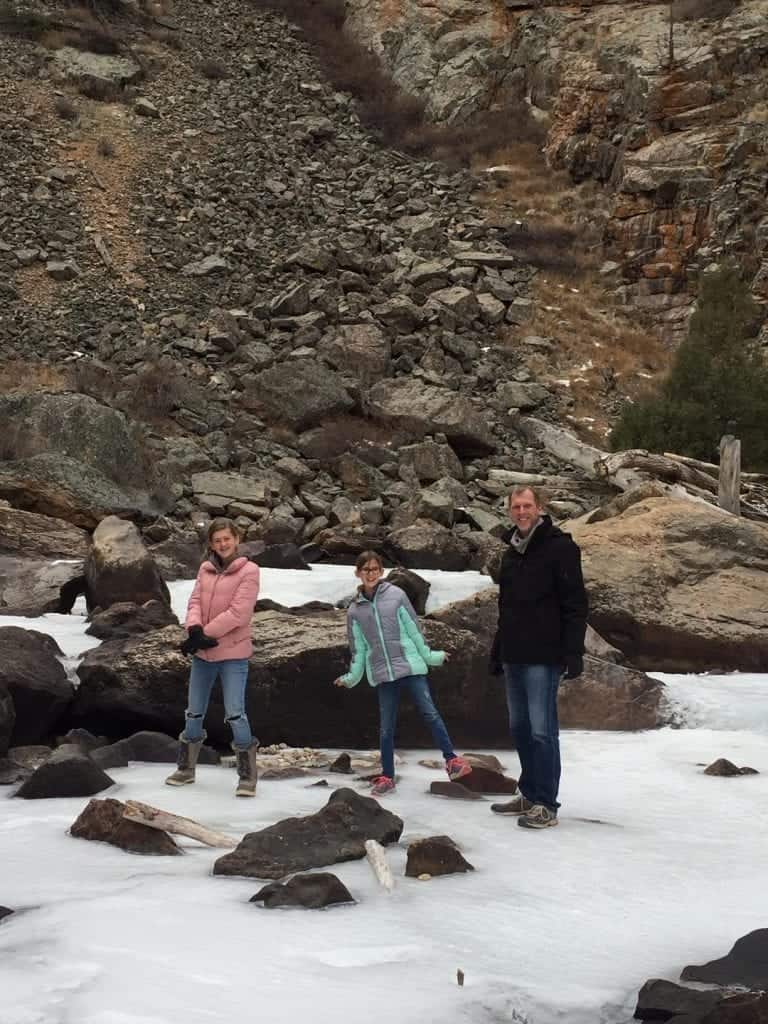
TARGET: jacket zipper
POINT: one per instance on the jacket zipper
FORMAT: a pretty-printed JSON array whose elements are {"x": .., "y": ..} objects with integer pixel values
[{"x": 381, "y": 637}]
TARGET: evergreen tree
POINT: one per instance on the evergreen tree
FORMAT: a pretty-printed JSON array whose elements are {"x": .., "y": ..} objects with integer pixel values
[{"x": 718, "y": 376}]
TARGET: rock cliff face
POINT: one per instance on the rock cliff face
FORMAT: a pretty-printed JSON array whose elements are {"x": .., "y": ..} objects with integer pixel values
[{"x": 679, "y": 145}]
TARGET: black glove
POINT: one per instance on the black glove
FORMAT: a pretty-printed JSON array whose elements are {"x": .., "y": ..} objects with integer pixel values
[
  {"x": 574, "y": 666},
  {"x": 196, "y": 641}
]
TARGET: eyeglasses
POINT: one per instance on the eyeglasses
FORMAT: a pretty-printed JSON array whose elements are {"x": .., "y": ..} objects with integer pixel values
[{"x": 371, "y": 570}]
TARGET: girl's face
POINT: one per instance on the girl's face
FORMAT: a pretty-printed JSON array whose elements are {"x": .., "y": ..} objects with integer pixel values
[
  {"x": 224, "y": 543},
  {"x": 370, "y": 573}
]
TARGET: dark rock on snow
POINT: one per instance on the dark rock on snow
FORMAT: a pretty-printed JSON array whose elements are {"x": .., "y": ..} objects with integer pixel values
[
  {"x": 662, "y": 1000},
  {"x": 746, "y": 964},
  {"x": 312, "y": 890},
  {"x": 103, "y": 821},
  {"x": 437, "y": 855},
  {"x": 723, "y": 767},
  {"x": 126, "y": 618},
  {"x": 146, "y": 746},
  {"x": 454, "y": 790},
  {"x": 36, "y": 681},
  {"x": 67, "y": 772},
  {"x": 334, "y": 834}
]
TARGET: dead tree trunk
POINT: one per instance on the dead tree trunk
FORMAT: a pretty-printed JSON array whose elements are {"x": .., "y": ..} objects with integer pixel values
[{"x": 729, "y": 484}]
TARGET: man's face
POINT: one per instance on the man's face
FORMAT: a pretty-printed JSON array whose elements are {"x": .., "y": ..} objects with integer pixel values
[{"x": 523, "y": 511}]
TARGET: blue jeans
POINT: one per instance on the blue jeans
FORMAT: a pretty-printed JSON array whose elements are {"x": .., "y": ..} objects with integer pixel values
[
  {"x": 389, "y": 698},
  {"x": 234, "y": 676},
  {"x": 532, "y": 703}
]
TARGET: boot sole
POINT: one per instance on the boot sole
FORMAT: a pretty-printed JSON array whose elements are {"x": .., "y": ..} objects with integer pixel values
[
  {"x": 245, "y": 792},
  {"x": 510, "y": 814},
  {"x": 529, "y": 824},
  {"x": 182, "y": 782}
]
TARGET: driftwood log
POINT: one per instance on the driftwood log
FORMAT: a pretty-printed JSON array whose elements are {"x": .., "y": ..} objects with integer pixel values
[
  {"x": 144, "y": 814},
  {"x": 377, "y": 858},
  {"x": 672, "y": 476}
]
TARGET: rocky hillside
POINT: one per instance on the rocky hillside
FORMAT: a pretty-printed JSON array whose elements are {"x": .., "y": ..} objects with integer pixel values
[
  {"x": 221, "y": 293},
  {"x": 664, "y": 108}
]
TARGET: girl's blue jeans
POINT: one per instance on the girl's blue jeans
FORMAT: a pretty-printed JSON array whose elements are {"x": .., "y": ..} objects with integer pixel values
[
  {"x": 389, "y": 698},
  {"x": 234, "y": 677}
]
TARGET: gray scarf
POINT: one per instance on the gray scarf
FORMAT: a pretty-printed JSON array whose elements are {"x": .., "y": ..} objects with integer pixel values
[{"x": 520, "y": 542}]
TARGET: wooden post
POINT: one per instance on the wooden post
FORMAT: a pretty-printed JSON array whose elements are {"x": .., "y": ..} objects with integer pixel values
[{"x": 729, "y": 484}]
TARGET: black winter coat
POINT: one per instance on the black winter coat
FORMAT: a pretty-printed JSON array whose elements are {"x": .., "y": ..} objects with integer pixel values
[{"x": 542, "y": 601}]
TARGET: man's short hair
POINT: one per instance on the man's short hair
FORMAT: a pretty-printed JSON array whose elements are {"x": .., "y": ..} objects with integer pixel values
[{"x": 518, "y": 489}]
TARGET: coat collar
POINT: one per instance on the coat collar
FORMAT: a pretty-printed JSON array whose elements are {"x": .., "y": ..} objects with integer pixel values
[{"x": 234, "y": 566}]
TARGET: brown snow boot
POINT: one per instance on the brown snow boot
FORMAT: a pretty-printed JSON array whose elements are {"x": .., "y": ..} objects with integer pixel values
[
  {"x": 246, "y": 770},
  {"x": 185, "y": 765}
]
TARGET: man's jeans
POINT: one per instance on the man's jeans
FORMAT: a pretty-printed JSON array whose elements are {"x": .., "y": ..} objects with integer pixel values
[
  {"x": 532, "y": 703},
  {"x": 389, "y": 698},
  {"x": 234, "y": 676}
]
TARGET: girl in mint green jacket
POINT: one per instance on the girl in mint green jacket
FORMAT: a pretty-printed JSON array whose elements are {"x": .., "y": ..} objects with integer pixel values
[{"x": 387, "y": 645}]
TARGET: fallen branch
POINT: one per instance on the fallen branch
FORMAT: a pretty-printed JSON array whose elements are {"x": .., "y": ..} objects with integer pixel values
[
  {"x": 377, "y": 858},
  {"x": 144, "y": 814}
]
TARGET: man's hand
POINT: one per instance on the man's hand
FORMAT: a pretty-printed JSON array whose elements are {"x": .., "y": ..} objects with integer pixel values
[
  {"x": 574, "y": 666},
  {"x": 339, "y": 682}
]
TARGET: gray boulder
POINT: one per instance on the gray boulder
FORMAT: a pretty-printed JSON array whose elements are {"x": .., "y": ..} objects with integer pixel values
[
  {"x": 410, "y": 405},
  {"x": 335, "y": 834},
  {"x": 301, "y": 394},
  {"x": 67, "y": 772},
  {"x": 313, "y": 890},
  {"x": 30, "y": 671},
  {"x": 119, "y": 568},
  {"x": 125, "y": 618},
  {"x": 427, "y": 545},
  {"x": 359, "y": 349}
]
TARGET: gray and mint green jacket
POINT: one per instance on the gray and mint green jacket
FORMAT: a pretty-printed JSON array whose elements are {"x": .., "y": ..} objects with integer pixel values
[{"x": 385, "y": 639}]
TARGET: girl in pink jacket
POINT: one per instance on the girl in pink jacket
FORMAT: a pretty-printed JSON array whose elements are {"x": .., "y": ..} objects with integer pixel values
[{"x": 219, "y": 639}]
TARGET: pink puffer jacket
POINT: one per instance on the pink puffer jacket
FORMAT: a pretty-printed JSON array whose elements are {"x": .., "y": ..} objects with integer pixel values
[{"x": 222, "y": 603}]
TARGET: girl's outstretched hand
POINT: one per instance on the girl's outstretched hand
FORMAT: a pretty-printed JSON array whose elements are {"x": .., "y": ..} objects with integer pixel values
[{"x": 338, "y": 682}]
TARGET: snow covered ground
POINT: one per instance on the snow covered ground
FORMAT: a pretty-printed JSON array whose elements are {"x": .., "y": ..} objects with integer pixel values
[{"x": 653, "y": 866}]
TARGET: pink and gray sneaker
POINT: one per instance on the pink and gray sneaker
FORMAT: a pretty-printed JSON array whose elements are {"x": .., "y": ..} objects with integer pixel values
[
  {"x": 457, "y": 768},
  {"x": 382, "y": 785}
]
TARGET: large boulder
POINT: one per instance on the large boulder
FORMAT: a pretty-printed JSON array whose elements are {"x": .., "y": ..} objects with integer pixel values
[
  {"x": 428, "y": 545},
  {"x": 418, "y": 408},
  {"x": 300, "y": 394},
  {"x": 140, "y": 683},
  {"x": 30, "y": 535},
  {"x": 361, "y": 349},
  {"x": 67, "y": 772},
  {"x": 67, "y": 488},
  {"x": 119, "y": 568},
  {"x": 34, "y": 677},
  {"x": 103, "y": 821},
  {"x": 126, "y": 619},
  {"x": 35, "y": 586},
  {"x": 7, "y": 719},
  {"x": 679, "y": 586},
  {"x": 607, "y": 696},
  {"x": 73, "y": 458},
  {"x": 332, "y": 835}
]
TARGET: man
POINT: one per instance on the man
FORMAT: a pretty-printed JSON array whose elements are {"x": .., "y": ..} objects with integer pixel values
[{"x": 540, "y": 636}]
